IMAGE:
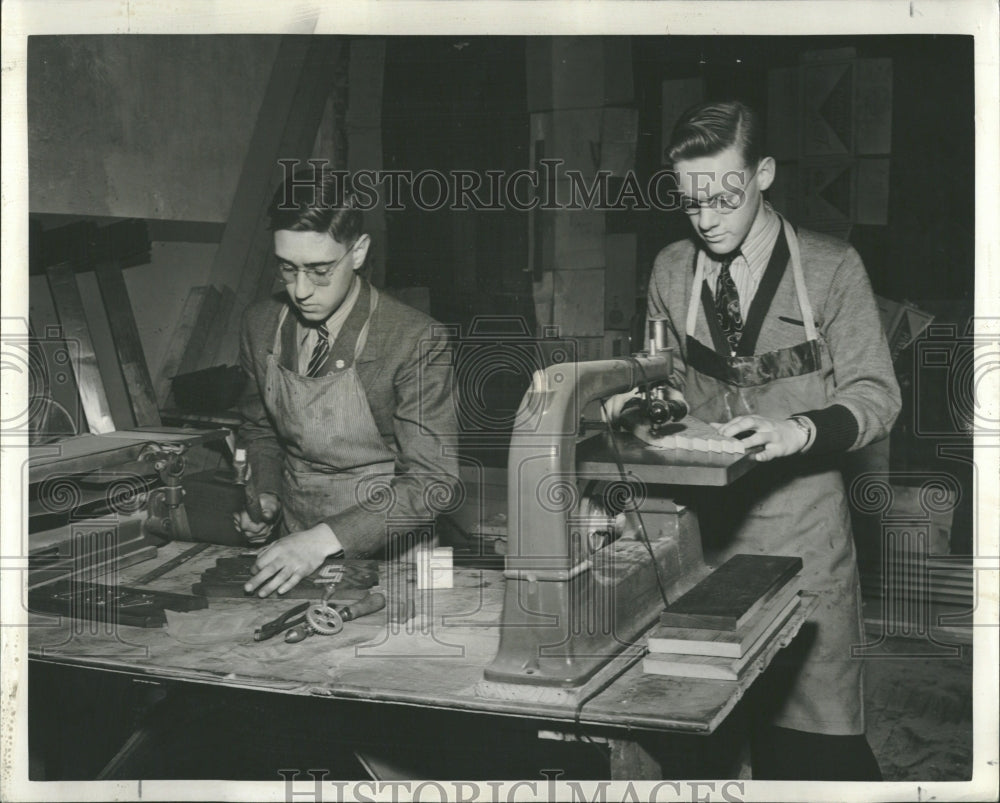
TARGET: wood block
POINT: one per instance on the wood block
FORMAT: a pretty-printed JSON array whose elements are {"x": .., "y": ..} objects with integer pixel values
[
  {"x": 733, "y": 593},
  {"x": 707, "y": 667},
  {"x": 723, "y": 643}
]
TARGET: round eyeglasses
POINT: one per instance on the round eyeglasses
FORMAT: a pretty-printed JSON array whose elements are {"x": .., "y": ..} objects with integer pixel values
[
  {"x": 319, "y": 275},
  {"x": 724, "y": 202}
]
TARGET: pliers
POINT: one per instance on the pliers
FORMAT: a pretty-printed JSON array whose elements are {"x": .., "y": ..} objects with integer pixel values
[{"x": 291, "y": 618}]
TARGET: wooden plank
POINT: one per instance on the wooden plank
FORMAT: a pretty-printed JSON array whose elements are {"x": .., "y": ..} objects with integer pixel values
[
  {"x": 286, "y": 129},
  {"x": 209, "y": 311},
  {"x": 69, "y": 308},
  {"x": 733, "y": 593},
  {"x": 179, "y": 339},
  {"x": 131, "y": 359}
]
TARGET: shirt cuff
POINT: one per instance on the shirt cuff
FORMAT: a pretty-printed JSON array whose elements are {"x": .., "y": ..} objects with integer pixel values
[{"x": 836, "y": 429}]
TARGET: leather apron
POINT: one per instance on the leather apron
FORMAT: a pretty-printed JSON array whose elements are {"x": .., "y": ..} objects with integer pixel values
[
  {"x": 330, "y": 438},
  {"x": 791, "y": 506}
]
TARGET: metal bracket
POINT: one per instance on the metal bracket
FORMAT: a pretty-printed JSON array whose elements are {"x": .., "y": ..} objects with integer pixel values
[{"x": 166, "y": 514}]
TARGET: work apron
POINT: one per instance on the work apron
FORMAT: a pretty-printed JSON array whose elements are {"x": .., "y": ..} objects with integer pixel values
[
  {"x": 330, "y": 438},
  {"x": 790, "y": 506}
]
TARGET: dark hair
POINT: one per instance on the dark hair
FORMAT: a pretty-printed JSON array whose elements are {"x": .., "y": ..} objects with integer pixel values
[
  {"x": 709, "y": 128},
  {"x": 317, "y": 200}
]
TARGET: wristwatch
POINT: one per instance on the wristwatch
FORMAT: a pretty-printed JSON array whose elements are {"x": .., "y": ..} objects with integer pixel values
[{"x": 807, "y": 426}]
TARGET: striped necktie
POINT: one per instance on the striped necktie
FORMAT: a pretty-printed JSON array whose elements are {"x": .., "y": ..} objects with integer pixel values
[
  {"x": 320, "y": 351},
  {"x": 727, "y": 303}
]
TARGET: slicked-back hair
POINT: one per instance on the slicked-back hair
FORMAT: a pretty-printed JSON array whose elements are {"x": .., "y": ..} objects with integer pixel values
[
  {"x": 316, "y": 200},
  {"x": 710, "y": 128}
]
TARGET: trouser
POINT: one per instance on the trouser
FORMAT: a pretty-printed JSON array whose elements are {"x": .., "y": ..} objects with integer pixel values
[{"x": 783, "y": 754}]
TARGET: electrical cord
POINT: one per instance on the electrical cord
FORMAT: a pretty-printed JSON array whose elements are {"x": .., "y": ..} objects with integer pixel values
[{"x": 644, "y": 537}]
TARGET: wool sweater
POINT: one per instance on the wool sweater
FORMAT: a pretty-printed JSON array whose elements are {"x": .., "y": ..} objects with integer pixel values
[{"x": 861, "y": 384}]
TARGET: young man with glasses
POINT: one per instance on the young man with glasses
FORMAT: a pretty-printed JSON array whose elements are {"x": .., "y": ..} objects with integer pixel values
[
  {"x": 778, "y": 341},
  {"x": 349, "y": 401}
]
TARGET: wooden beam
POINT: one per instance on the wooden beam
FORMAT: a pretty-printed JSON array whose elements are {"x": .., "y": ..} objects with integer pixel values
[
  {"x": 69, "y": 308},
  {"x": 83, "y": 243},
  {"x": 128, "y": 346},
  {"x": 197, "y": 298},
  {"x": 286, "y": 128},
  {"x": 297, "y": 142}
]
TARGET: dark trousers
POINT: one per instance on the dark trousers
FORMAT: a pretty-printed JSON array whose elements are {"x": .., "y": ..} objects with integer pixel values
[{"x": 782, "y": 754}]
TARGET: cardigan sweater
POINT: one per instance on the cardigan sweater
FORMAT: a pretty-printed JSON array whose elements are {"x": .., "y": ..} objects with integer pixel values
[{"x": 864, "y": 399}]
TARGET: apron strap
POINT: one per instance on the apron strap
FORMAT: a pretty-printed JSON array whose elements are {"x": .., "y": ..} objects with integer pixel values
[{"x": 800, "y": 283}]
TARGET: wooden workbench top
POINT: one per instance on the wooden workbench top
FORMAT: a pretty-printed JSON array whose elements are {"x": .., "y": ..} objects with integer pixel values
[{"x": 435, "y": 660}]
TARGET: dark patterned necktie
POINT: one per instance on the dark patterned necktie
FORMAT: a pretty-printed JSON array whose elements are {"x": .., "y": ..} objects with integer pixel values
[
  {"x": 727, "y": 304},
  {"x": 320, "y": 351}
]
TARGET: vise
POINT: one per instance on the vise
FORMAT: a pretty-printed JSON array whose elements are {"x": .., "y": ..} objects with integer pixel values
[{"x": 597, "y": 543}]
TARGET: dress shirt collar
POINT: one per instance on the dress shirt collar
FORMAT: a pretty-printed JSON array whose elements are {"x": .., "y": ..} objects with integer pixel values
[{"x": 336, "y": 321}]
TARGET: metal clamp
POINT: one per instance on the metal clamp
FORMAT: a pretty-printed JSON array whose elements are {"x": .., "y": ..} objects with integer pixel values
[{"x": 166, "y": 514}]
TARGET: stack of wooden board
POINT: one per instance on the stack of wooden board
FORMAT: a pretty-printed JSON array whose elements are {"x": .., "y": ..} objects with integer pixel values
[{"x": 725, "y": 622}]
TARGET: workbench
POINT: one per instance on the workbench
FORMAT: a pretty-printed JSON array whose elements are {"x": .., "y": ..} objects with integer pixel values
[{"x": 434, "y": 663}]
